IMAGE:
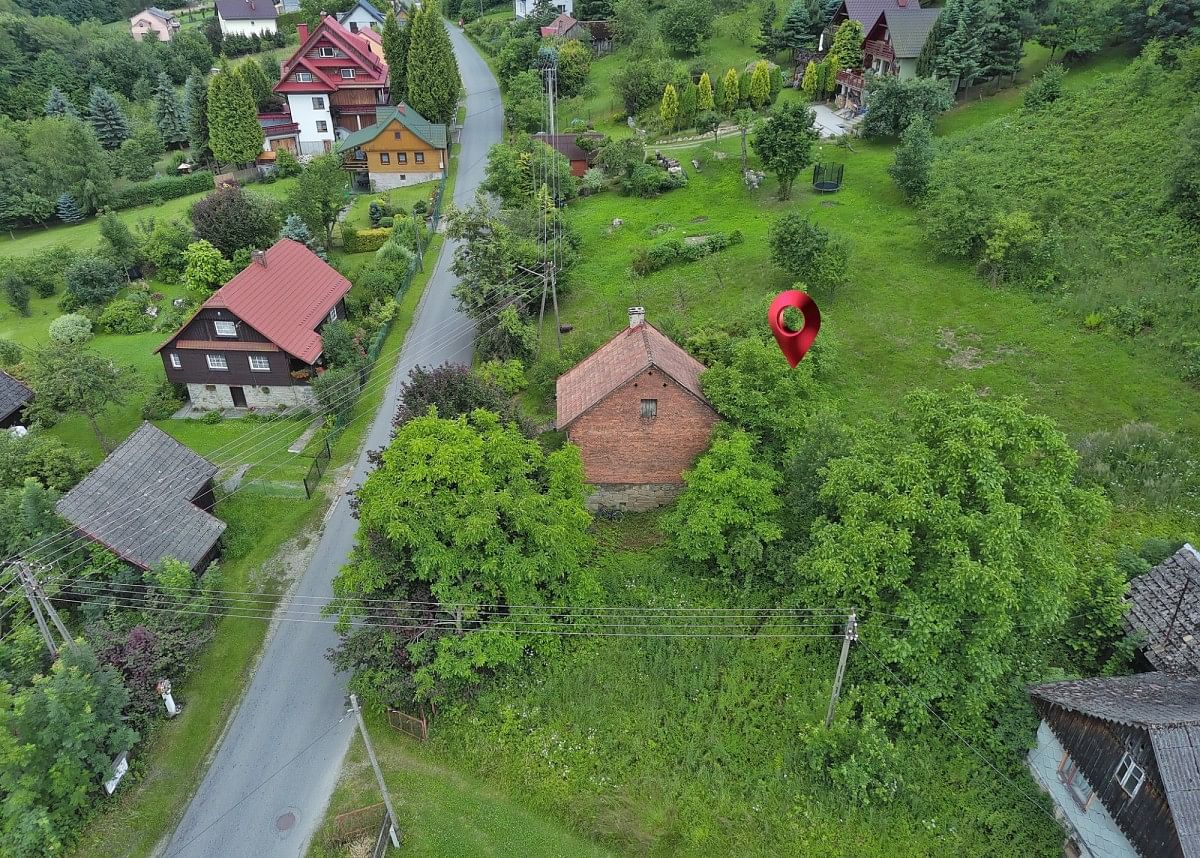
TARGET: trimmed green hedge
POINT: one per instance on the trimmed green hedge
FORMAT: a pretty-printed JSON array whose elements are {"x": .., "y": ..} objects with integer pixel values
[
  {"x": 363, "y": 240},
  {"x": 159, "y": 190},
  {"x": 675, "y": 251}
]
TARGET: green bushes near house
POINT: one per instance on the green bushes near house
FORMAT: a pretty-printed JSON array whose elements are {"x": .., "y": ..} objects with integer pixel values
[
  {"x": 160, "y": 190},
  {"x": 676, "y": 251},
  {"x": 364, "y": 240}
]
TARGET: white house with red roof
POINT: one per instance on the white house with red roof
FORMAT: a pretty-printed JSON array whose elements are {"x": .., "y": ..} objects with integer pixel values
[
  {"x": 334, "y": 84},
  {"x": 256, "y": 342}
]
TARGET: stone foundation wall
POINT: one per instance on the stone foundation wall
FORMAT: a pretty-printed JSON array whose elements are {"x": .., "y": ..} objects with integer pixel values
[
  {"x": 264, "y": 397},
  {"x": 630, "y": 497},
  {"x": 387, "y": 181}
]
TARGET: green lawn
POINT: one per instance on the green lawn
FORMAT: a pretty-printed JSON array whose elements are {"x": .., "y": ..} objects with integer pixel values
[{"x": 359, "y": 214}]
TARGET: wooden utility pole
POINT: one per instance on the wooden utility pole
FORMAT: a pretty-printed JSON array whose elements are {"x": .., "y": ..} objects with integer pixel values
[
  {"x": 850, "y": 635},
  {"x": 387, "y": 799}
]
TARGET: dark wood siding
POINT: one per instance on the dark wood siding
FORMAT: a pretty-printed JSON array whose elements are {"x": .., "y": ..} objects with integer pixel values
[
  {"x": 1097, "y": 747},
  {"x": 203, "y": 327},
  {"x": 194, "y": 362}
]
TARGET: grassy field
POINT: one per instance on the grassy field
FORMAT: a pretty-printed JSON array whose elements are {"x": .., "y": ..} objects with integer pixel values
[{"x": 359, "y": 214}]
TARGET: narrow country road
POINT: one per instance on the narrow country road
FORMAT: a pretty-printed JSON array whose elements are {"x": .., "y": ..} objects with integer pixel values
[{"x": 272, "y": 776}]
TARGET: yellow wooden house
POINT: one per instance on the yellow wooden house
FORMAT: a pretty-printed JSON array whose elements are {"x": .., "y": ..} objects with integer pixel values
[{"x": 401, "y": 148}]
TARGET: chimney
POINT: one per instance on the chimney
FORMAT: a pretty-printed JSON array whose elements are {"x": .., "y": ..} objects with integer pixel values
[
  {"x": 259, "y": 256},
  {"x": 637, "y": 316},
  {"x": 302, "y": 32}
]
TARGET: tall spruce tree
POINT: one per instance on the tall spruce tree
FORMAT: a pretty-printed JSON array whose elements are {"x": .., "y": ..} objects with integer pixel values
[
  {"x": 260, "y": 87},
  {"x": 1001, "y": 39},
  {"x": 67, "y": 209},
  {"x": 195, "y": 108},
  {"x": 168, "y": 115},
  {"x": 235, "y": 136},
  {"x": 107, "y": 119},
  {"x": 433, "y": 80},
  {"x": 768, "y": 43},
  {"x": 57, "y": 104},
  {"x": 395, "y": 41},
  {"x": 960, "y": 51},
  {"x": 801, "y": 26}
]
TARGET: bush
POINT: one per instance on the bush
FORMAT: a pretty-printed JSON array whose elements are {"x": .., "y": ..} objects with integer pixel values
[
  {"x": 675, "y": 251},
  {"x": 231, "y": 219},
  {"x": 164, "y": 401},
  {"x": 507, "y": 375},
  {"x": 211, "y": 418},
  {"x": 648, "y": 180},
  {"x": 125, "y": 317},
  {"x": 157, "y": 191},
  {"x": 17, "y": 290},
  {"x": 334, "y": 390},
  {"x": 286, "y": 164},
  {"x": 454, "y": 390},
  {"x": 163, "y": 243},
  {"x": 71, "y": 329},
  {"x": 593, "y": 182},
  {"x": 92, "y": 281},
  {"x": 387, "y": 222},
  {"x": 1046, "y": 88},
  {"x": 363, "y": 240}
]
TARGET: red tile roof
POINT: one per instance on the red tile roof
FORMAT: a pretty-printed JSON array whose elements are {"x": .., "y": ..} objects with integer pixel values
[
  {"x": 618, "y": 361},
  {"x": 558, "y": 26},
  {"x": 370, "y": 70},
  {"x": 285, "y": 299}
]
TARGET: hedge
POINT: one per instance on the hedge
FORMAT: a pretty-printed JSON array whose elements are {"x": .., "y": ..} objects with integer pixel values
[
  {"x": 363, "y": 240},
  {"x": 159, "y": 190},
  {"x": 674, "y": 251}
]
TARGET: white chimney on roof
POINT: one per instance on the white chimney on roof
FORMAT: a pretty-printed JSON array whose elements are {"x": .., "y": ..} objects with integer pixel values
[{"x": 637, "y": 316}]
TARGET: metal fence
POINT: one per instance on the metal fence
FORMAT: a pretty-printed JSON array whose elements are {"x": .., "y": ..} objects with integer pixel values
[
  {"x": 435, "y": 214},
  {"x": 383, "y": 839},
  {"x": 416, "y": 726},
  {"x": 357, "y": 823},
  {"x": 317, "y": 468}
]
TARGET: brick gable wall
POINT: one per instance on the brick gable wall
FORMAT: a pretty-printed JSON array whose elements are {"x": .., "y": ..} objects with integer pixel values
[{"x": 617, "y": 446}]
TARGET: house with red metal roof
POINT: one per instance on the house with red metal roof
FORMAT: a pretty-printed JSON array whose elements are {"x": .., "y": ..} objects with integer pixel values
[
  {"x": 256, "y": 342},
  {"x": 568, "y": 146},
  {"x": 334, "y": 85},
  {"x": 635, "y": 409}
]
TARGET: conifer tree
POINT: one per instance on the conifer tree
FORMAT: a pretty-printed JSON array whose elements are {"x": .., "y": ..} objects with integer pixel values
[
  {"x": 729, "y": 92},
  {"x": 668, "y": 108},
  {"x": 914, "y": 159},
  {"x": 258, "y": 84},
  {"x": 847, "y": 48},
  {"x": 760, "y": 84},
  {"x": 195, "y": 108},
  {"x": 68, "y": 210},
  {"x": 960, "y": 51},
  {"x": 1001, "y": 40},
  {"x": 433, "y": 80},
  {"x": 768, "y": 38},
  {"x": 810, "y": 84},
  {"x": 801, "y": 26},
  {"x": 168, "y": 115},
  {"x": 704, "y": 94},
  {"x": 107, "y": 119},
  {"x": 687, "y": 105},
  {"x": 395, "y": 41},
  {"x": 235, "y": 136},
  {"x": 57, "y": 104}
]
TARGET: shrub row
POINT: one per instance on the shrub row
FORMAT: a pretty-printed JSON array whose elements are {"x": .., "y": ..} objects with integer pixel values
[
  {"x": 168, "y": 188},
  {"x": 363, "y": 240},
  {"x": 675, "y": 251}
]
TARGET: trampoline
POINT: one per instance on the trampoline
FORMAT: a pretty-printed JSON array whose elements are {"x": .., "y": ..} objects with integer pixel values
[{"x": 827, "y": 178}]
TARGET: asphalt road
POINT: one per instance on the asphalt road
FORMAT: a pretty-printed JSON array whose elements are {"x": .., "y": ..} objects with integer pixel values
[{"x": 272, "y": 776}]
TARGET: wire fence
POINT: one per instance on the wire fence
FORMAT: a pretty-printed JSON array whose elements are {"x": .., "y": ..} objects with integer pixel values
[
  {"x": 317, "y": 468},
  {"x": 416, "y": 726}
]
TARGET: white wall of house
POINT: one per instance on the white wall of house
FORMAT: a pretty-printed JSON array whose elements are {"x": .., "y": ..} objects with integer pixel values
[
  {"x": 312, "y": 139},
  {"x": 247, "y": 27},
  {"x": 521, "y": 8},
  {"x": 358, "y": 15}
]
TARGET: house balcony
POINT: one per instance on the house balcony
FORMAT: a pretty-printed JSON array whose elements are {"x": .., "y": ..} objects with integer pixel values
[
  {"x": 852, "y": 79},
  {"x": 356, "y": 160},
  {"x": 881, "y": 49}
]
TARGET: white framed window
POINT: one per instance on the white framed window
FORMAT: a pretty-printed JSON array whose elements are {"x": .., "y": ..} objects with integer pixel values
[
  {"x": 419, "y": 157},
  {"x": 175, "y": 362},
  {"x": 348, "y": 74},
  {"x": 259, "y": 363},
  {"x": 1130, "y": 775},
  {"x": 326, "y": 52},
  {"x": 384, "y": 158},
  {"x": 401, "y": 157},
  {"x": 225, "y": 329},
  {"x": 649, "y": 409},
  {"x": 333, "y": 315},
  {"x": 322, "y": 126},
  {"x": 318, "y": 102},
  {"x": 216, "y": 362},
  {"x": 1076, "y": 783},
  {"x": 303, "y": 77}
]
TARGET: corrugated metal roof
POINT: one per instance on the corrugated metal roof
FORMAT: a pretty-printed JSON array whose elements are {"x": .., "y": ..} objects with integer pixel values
[
  {"x": 616, "y": 362},
  {"x": 13, "y": 395},
  {"x": 1177, "y": 752},
  {"x": 1164, "y": 608},
  {"x": 151, "y": 478},
  {"x": 433, "y": 133}
]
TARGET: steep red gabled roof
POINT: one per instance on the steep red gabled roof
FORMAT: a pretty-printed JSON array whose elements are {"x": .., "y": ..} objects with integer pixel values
[
  {"x": 285, "y": 299},
  {"x": 616, "y": 362},
  {"x": 371, "y": 71}
]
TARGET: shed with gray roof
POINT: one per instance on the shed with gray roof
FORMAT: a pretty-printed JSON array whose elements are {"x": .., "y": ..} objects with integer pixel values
[
  {"x": 1164, "y": 611},
  {"x": 14, "y": 396}
]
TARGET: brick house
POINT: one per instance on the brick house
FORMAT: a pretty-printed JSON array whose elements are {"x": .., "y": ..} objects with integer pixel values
[
  {"x": 334, "y": 84},
  {"x": 256, "y": 342},
  {"x": 635, "y": 410},
  {"x": 401, "y": 148}
]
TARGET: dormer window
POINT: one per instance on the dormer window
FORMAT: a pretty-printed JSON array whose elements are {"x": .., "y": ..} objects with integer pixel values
[
  {"x": 304, "y": 77},
  {"x": 225, "y": 329},
  {"x": 333, "y": 314},
  {"x": 347, "y": 74},
  {"x": 326, "y": 52}
]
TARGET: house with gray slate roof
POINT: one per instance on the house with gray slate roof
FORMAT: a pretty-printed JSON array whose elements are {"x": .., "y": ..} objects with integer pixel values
[
  {"x": 1120, "y": 756},
  {"x": 148, "y": 500},
  {"x": 1164, "y": 613},
  {"x": 895, "y": 34},
  {"x": 14, "y": 396}
]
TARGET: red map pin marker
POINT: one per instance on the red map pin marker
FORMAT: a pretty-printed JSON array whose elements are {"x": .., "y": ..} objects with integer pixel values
[{"x": 794, "y": 344}]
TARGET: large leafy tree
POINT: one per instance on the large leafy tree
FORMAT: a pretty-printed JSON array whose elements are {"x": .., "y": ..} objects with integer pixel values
[
  {"x": 58, "y": 738},
  {"x": 75, "y": 380},
  {"x": 466, "y": 515},
  {"x": 395, "y": 41},
  {"x": 517, "y": 171},
  {"x": 107, "y": 118},
  {"x": 322, "y": 191},
  {"x": 168, "y": 114},
  {"x": 491, "y": 260},
  {"x": 687, "y": 24},
  {"x": 784, "y": 144},
  {"x": 235, "y": 137},
  {"x": 1183, "y": 174},
  {"x": 232, "y": 219},
  {"x": 960, "y": 516},
  {"x": 433, "y": 80},
  {"x": 195, "y": 108},
  {"x": 1074, "y": 27},
  {"x": 896, "y": 103}
]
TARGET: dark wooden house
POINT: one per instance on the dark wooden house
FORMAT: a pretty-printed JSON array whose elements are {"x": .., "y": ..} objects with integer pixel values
[
  {"x": 148, "y": 500},
  {"x": 14, "y": 396},
  {"x": 568, "y": 146},
  {"x": 256, "y": 342},
  {"x": 1121, "y": 758}
]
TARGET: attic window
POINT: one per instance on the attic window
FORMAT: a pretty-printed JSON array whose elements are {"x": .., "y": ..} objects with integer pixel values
[
  {"x": 1130, "y": 775},
  {"x": 649, "y": 409},
  {"x": 348, "y": 74},
  {"x": 225, "y": 329},
  {"x": 326, "y": 52},
  {"x": 304, "y": 77},
  {"x": 396, "y": 135}
]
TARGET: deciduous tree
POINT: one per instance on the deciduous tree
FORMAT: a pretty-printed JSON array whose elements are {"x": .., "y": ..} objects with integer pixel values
[
  {"x": 784, "y": 144},
  {"x": 1183, "y": 177},
  {"x": 75, "y": 380},
  {"x": 322, "y": 191},
  {"x": 686, "y": 24},
  {"x": 232, "y": 219},
  {"x": 205, "y": 269},
  {"x": 914, "y": 159}
]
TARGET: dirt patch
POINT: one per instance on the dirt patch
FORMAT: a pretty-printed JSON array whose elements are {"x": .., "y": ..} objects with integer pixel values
[
  {"x": 699, "y": 219},
  {"x": 695, "y": 239},
  {"x": 967, "y": 351},
  {"x": 830, "y": 203}
]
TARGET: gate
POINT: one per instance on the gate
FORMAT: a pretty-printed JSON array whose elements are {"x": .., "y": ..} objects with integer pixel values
[{"x": 414, "y": 725}]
